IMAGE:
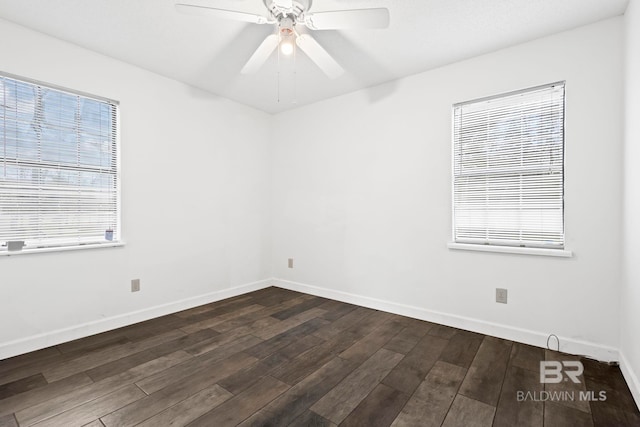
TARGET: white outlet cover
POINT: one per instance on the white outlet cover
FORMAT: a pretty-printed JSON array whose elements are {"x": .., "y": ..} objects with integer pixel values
[{"x": 501, "y": 295}]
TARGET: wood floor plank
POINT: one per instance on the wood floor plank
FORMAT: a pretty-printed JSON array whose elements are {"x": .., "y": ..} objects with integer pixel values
[
  {"x": 311, "y": 419},
  {"x": 619, "y": 403},
  {"x": 298, "y": 399},
  {"x": 486, "y": 373},
  {"x": 64, "y": 357},
  {"x": 183, "y": 342},
  {"x": 526, "y": 357},
  {"x": 602, "y": 372},
  {"x": 153, "y": 327},
  {"x": 52, "y": 359},
  {"x": 469, "y": 413},
  {"x": 189, "y": 409},
  {"x": 211, "y": 322},
  {"x": 609, "y": 415},
  {"x": 299, "y": 308},
  {"x": 342, "y": 399},
  {"x": 462, "y": 348},
  {"x": 443, "y": 331},
  {"x": 299, "y": 346},
  {"x": 274, "y": 353},
  {"x": 411, "y": 370},
  {"x": 94, "y": 423},
  {"x": 171, "y": 375},
  {"x": 372, "y": 342},
  {"x": 309, "y": 361},
  {"x": 245, "y": 378},
  {"x": 567, "y": 387},
  {"x": 288, "y": 323},
  {"x": 514, "y": 412},
  {"x": 408, "y": 338},
  {"x": 274, "y": 296},
  {"x": 35, "y": 367},
  {"x": 94, "y": 409},
  {"x": 22, "y": 385},
  {"x": 336, "y": 309},
  {"x": 216, "y": 308},
  {"x": 87, "y": 393},
  {"x": 255, "y": 316},
  {"x": 8, "y": 421},
  {"x": 237, "y": 409},
  {"x": 120, "y": 365},
  {"x": 176, "y": 392},
  {"x": 117, "y": 366},
  {"x": 372, "y": 321},
  {"x": 91, "y": 360},
  {"x": 33, "y": 397},
  {"x": 378, "y": 409},
  {"x": 93, "y": 343},
  {"x": 285, "y": 338},
  {"x": 218, "y": 341},
  {"x": 432, "y": 399},
  {"x": 339, "y": 326},
  {"x": 599, "y": 376},
  {"x": 35, "y": 357},
  {"x": 557, "y": 415}
]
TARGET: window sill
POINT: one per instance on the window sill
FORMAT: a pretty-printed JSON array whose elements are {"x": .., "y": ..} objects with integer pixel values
[
  {"x": 62, "y": 248},
  {"x": 511, "y": 250}
]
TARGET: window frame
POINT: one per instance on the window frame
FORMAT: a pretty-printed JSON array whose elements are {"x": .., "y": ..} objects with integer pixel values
[
  {"x": 558, "y": 250},
  {"x": 71, "y": 246}
]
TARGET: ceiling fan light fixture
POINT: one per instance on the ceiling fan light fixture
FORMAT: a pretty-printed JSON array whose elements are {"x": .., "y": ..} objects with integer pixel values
[
  {"x": 287, "y": 36},
  {"x": 287, "y": 46}
]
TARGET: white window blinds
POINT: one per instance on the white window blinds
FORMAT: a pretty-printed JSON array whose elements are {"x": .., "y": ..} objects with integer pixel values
[
  {"x": 58, "y": 166},
  {"x": 508, "y": 169}
]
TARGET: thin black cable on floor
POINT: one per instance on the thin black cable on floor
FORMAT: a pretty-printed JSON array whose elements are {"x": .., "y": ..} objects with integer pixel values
[{"x": 557, "y": 340}]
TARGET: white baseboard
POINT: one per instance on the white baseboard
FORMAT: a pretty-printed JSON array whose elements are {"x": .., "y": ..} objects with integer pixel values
[
  {"x": 535, "y": 338},
  {"x": 47, "y": 339},
  {"x": 631, "y": 378}
]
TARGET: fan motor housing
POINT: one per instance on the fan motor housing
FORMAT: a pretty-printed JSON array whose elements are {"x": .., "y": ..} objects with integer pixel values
[
  {"x": 297, "y": 9},
  {"x": 285, "y": 26}
]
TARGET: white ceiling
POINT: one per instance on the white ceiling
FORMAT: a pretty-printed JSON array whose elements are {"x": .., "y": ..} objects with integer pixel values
[{"x": 208, "y": 53}]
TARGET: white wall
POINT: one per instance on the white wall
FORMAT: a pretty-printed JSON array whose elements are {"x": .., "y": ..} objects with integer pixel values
[
  {"x": 629, "y": 342},
  {"x": 195, "y": 192},
  {"x": 363, "y": 190},
  {"x": 356, "y": 189}
]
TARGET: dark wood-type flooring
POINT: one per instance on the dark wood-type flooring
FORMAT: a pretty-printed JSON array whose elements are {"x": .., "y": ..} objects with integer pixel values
[{"x": 280, "y": 358}]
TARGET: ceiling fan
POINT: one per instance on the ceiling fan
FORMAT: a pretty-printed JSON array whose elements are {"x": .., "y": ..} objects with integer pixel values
[{"x": 286, "y": 15}]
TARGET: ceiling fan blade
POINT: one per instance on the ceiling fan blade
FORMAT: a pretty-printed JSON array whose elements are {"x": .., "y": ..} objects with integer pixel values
[
  {"x": 193, "y": 9},
  {"x": 317, "y": 54},
  {"x": 348, "y": 19},
  {"x": 261, "y": 54}
]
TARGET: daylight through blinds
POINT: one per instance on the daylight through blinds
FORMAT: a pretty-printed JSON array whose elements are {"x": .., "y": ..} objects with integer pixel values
[
  {"x": 58, "y": 166},
  {"x": 508, "y": 167}
]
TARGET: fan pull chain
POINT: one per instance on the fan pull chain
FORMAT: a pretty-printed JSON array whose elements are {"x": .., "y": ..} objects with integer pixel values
[
  {"x": 295, "y": 73},
  {"x": 278, "y": 76}
]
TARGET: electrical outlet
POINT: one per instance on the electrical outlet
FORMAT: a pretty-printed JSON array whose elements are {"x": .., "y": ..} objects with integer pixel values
[
  {"x": 290, "y": 263},
  {"x": 501, "y": 295},
  {"x": 135, "y": 285}
]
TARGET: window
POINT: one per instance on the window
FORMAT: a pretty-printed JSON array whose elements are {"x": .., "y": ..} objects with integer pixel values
[
  {"x": 508, "y": 169},
  {"x": 58, "y": 167}
]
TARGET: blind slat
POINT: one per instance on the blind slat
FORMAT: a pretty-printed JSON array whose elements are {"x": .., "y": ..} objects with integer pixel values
[
  {"x": 58, "y": 166},
  {"x": 508, "y": 169}
]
